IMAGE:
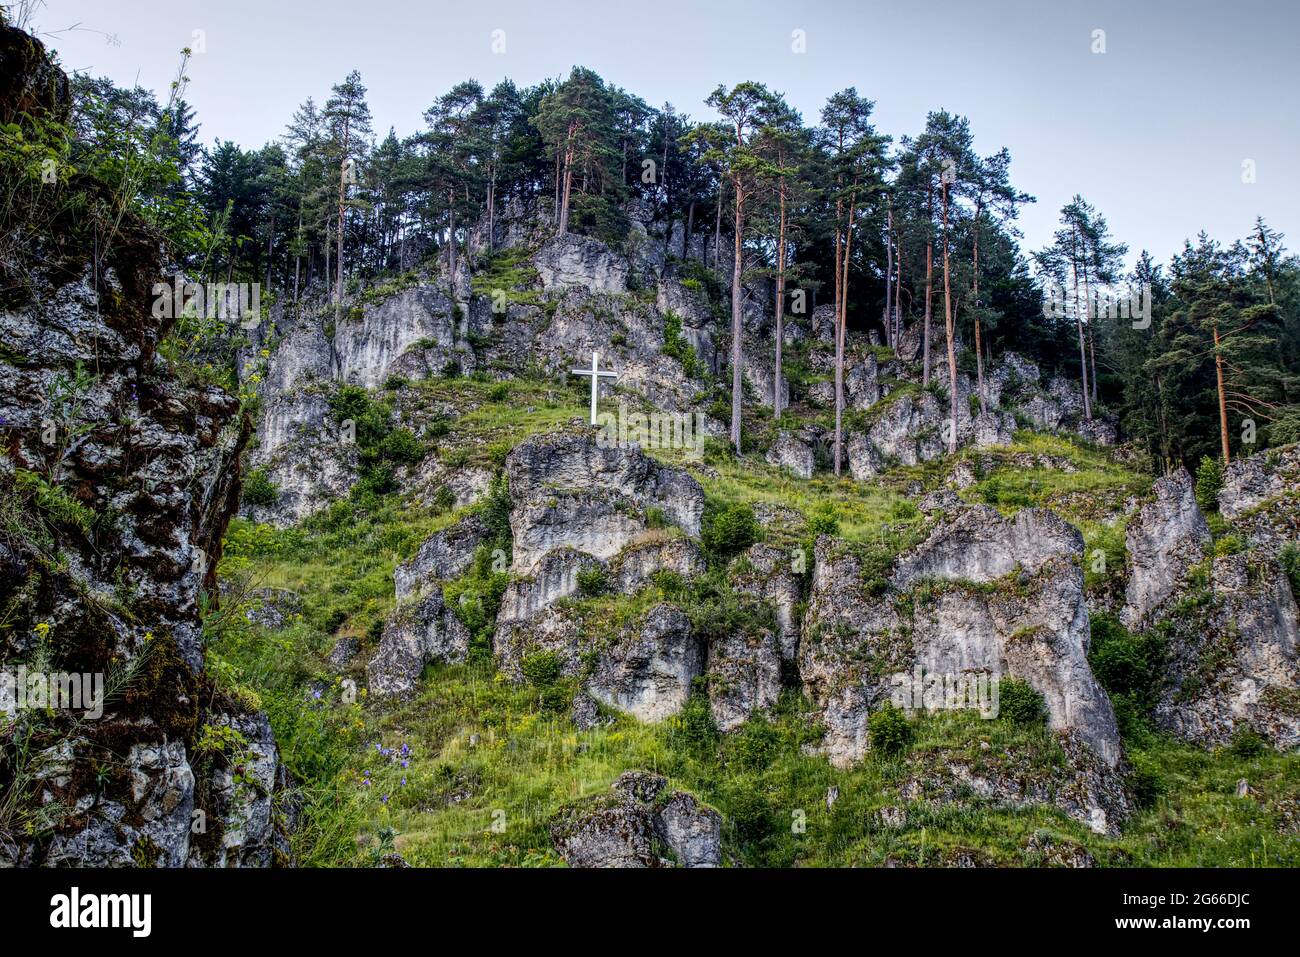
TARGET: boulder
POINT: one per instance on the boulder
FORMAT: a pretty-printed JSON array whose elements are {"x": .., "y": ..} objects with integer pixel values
[
  {"x": 640, "y": 823},
  {"x": 794, "y": 456},
  {"x": 416, "y": 634},
  {"x": 865, "y": 462},
  {"x": 993, "y": 428}
]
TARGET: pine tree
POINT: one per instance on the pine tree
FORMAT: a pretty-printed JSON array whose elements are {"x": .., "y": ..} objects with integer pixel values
[{"x": 348, "y": 118}]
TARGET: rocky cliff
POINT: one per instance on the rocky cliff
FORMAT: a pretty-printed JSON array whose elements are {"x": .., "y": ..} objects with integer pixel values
[{"x": 117, "y": 481}]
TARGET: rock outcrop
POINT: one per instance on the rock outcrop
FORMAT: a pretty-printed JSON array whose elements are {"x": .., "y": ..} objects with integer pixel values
[
  {"x": 129, "y": 476},
  {"x": 571, "y": 260},
  {"x": 791, "y": 454},
  {"x": 640, "y": 824},
  {"x": 982, "y": 596},
  {"x": 445, "y": 555},
  {"x": 418, "y": 633},
  {"x": 1164, "y": 541},
  {"x": 1234, "y": 658},
  {"x": 648, "y": 670},
  {"x": 573, "y": 491}
]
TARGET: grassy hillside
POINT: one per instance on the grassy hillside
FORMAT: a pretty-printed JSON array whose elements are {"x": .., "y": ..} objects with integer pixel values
[{"x": 470, "y": 771}]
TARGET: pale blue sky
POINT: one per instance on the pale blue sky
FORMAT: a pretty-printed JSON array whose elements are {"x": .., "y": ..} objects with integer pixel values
[{"x": 1153, "y": 132}]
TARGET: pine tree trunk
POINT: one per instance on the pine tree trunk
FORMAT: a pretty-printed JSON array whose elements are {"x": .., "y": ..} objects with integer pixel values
[
  {"x": 780, "y": 305},
  {"x": 492, "y": 211},
  {"x": 949, "y": 322},
  {"x": 1223, "y": 404},
  {"x": 889, "y": 274},
  {"x": 567, "y": 191},
  {"x": 343, "y": 194},
  {"x": 297, "y": 259},
  {"x": 717, "y": 232},
  {"x": 1083, "y": 353},
  {"x": 979, "y": 351},
  {"x": 898, "y": 297},
  {"x": 1092, "y": 347},
  {"x": 690, "y": 227},
  {"x": 451, "y": 238},
  {"x": 841, "y": 334},
  {"x": 736, "y": 352},
  {"x": 925, "y": 333}
]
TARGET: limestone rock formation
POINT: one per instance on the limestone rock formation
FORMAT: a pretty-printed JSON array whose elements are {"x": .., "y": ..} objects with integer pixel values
[
  {"x": 1164, "y": 541},
  {"x": 744, "y": 671},
  {"x": 573, "y": 260},
  {"x": 640, "y": 824},
  {"x": 983, "y": 595},
  {"x": 791, "y": 454},
  {"x": 445, "y": 555},
  {"x": 420, "y": 632},
  {"x": 113, "y": 534},
  {"x": 573, "y": 491},
  {"x": 1235, "y": 658},
  {"x": 648, "y": 669}
]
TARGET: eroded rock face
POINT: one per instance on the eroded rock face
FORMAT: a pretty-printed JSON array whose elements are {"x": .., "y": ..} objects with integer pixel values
[
  {"x": 645, "y": 669},
  {"x": 412, "y": 333},
  {"x": 639, "y": 562},
  {"x": 744, "y": 676},
  {"x": 572, "y": 491},
  {"x": 147, "y": 468},
  {"x": 789, "y": 453},
  {"x": 1251, "y": 481},
  {"x": 909, "y": 430},
  {"x": 865, "y": 461},
  {"x": 769, "y": 574},
  {"x": 445, "y": 555},
  {"x": 639, "y": 824},
  {"x": 418, "y": 633},
  {"x": 1235, "y": 659},
  {"x": 573, "y": 260},
  {"x": 1164, "y": 541},
  {"x": 1031, "y": 624},
  {"x": 555, "y": 577},
  {"x": 1082, "y": 786},
  {"x": 980, "y": 545},
  {"x": 253, "y": 825},
  {"x": 649, "y": 668},
  {"x": 299, "y": 444},
  {"x": 849, "y": 643},
  {"x": 1261, "y": 497}
]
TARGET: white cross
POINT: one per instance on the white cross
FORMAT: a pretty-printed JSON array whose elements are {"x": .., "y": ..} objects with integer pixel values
[{"x": 595, "y": 374}]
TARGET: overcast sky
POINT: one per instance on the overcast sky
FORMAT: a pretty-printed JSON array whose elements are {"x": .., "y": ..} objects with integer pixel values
[{"x": 1154, "y": 131}]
